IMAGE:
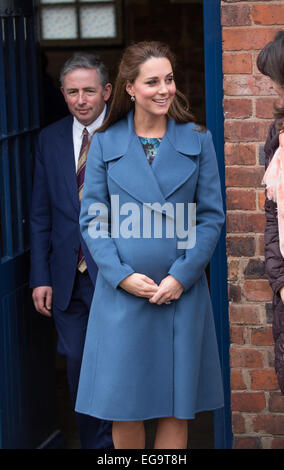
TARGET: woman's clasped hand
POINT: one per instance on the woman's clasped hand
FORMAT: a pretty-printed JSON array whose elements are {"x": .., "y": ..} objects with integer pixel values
[{"x": 143, "y": 286}]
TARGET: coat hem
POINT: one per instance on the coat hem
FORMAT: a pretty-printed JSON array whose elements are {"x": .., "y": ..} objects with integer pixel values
[{"x": 151, "y": 417}]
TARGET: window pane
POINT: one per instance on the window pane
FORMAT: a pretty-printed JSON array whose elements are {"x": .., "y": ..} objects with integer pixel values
[
  {"x": 98, "y": 21},
  {"x": 59, "y": 23},
  {"x": 58, "y": 1}
]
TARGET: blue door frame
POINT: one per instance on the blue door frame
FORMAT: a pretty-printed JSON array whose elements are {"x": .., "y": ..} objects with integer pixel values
[{"x": 218, "y": 265}]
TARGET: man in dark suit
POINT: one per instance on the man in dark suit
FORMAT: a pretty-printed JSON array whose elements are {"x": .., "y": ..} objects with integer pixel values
[{"x": 63, "y": 274}]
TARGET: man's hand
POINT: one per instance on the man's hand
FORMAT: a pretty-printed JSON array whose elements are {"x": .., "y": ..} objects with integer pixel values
[{"x": 42, "y": 298}]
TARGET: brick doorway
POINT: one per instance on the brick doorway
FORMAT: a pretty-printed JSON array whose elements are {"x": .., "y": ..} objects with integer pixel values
[{"x": 180, "y": 24}]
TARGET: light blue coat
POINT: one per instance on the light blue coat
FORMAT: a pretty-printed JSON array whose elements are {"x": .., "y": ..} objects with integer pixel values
[{"x": 142, "y": 360}]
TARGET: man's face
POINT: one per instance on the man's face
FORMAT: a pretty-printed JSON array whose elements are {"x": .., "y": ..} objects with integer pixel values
[{"x": 84, "y": 95}]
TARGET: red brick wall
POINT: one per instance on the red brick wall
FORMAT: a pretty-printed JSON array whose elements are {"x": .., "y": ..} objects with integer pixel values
[{"x": 257, "y": 404}]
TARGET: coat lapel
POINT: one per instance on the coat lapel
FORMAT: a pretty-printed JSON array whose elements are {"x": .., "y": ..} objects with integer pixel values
[
  {"x": 132, "y": 172},
  {"x": 67, "y": 161},
  {"x": 175, "y": 161}
]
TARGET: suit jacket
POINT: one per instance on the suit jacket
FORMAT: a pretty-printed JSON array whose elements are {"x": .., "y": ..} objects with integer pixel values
[
  {"x": 55, "y": 231},
  {"x": 143, "y": 360}
]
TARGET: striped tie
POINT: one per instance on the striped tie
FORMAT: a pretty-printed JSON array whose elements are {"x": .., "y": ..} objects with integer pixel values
[{"x": 80, "y": 180}]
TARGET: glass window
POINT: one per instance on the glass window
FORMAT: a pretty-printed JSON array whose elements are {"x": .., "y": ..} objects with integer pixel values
[
  {"x": 79, "y": 22},
  {"x": 59, "y": 23}
]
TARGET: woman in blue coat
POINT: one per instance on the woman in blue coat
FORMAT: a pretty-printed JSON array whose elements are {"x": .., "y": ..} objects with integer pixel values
[{"x": 151, "y": 216}]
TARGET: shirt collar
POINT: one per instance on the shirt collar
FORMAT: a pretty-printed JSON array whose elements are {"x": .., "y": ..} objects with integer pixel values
[{"x": 93, "y": 126}]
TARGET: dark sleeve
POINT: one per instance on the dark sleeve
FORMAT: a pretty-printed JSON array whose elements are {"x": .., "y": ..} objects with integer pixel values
[
  {"x": 274, "y": 261},
  {"x": 40, "y": 224}
]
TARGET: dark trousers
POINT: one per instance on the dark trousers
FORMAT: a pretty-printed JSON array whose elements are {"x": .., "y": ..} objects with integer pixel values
[{"x": 71, "y": 326}]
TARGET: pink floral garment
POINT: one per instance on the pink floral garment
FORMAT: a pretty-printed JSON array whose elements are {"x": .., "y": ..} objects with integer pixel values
[{"x": 274, "y": 181}]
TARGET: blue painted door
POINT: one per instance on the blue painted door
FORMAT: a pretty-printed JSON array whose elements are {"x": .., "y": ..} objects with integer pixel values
[
  {"x": 218, "y": 264},
  {"x": 27, "y": 352}
]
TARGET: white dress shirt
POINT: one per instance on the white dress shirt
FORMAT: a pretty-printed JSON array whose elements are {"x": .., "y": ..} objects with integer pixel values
[{"x": 78, "y": 132}]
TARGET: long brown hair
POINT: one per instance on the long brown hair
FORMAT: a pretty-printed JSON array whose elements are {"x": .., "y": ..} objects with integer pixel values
[
  {"x": 270, "y": 62},
  {"x": 133, "y": 57}
]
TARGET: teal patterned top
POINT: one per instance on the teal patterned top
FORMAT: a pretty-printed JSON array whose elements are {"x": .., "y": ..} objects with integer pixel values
[{"x": 151, "y": 146}]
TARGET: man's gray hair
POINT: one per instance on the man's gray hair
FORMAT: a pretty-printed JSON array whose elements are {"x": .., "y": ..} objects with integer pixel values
[{"x": 85, "y": 61}]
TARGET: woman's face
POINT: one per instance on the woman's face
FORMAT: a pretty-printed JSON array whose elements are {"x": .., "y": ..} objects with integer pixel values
[{"x": 154, "y": 88}]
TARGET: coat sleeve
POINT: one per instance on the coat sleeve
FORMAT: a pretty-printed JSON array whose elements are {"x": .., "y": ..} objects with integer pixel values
[
  {"x": 274, "y": 262},
  {"x": 40, "y": 224},
  {"x": 96, "y": 214},
  {"x": 189, "y": 267}
]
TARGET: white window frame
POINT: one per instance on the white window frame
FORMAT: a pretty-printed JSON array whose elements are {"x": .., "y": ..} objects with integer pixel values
[{"x": 79, "y": 41}]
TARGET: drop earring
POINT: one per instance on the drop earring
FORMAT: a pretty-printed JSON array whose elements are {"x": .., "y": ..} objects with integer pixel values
[{"x": 132, "y": 98}]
